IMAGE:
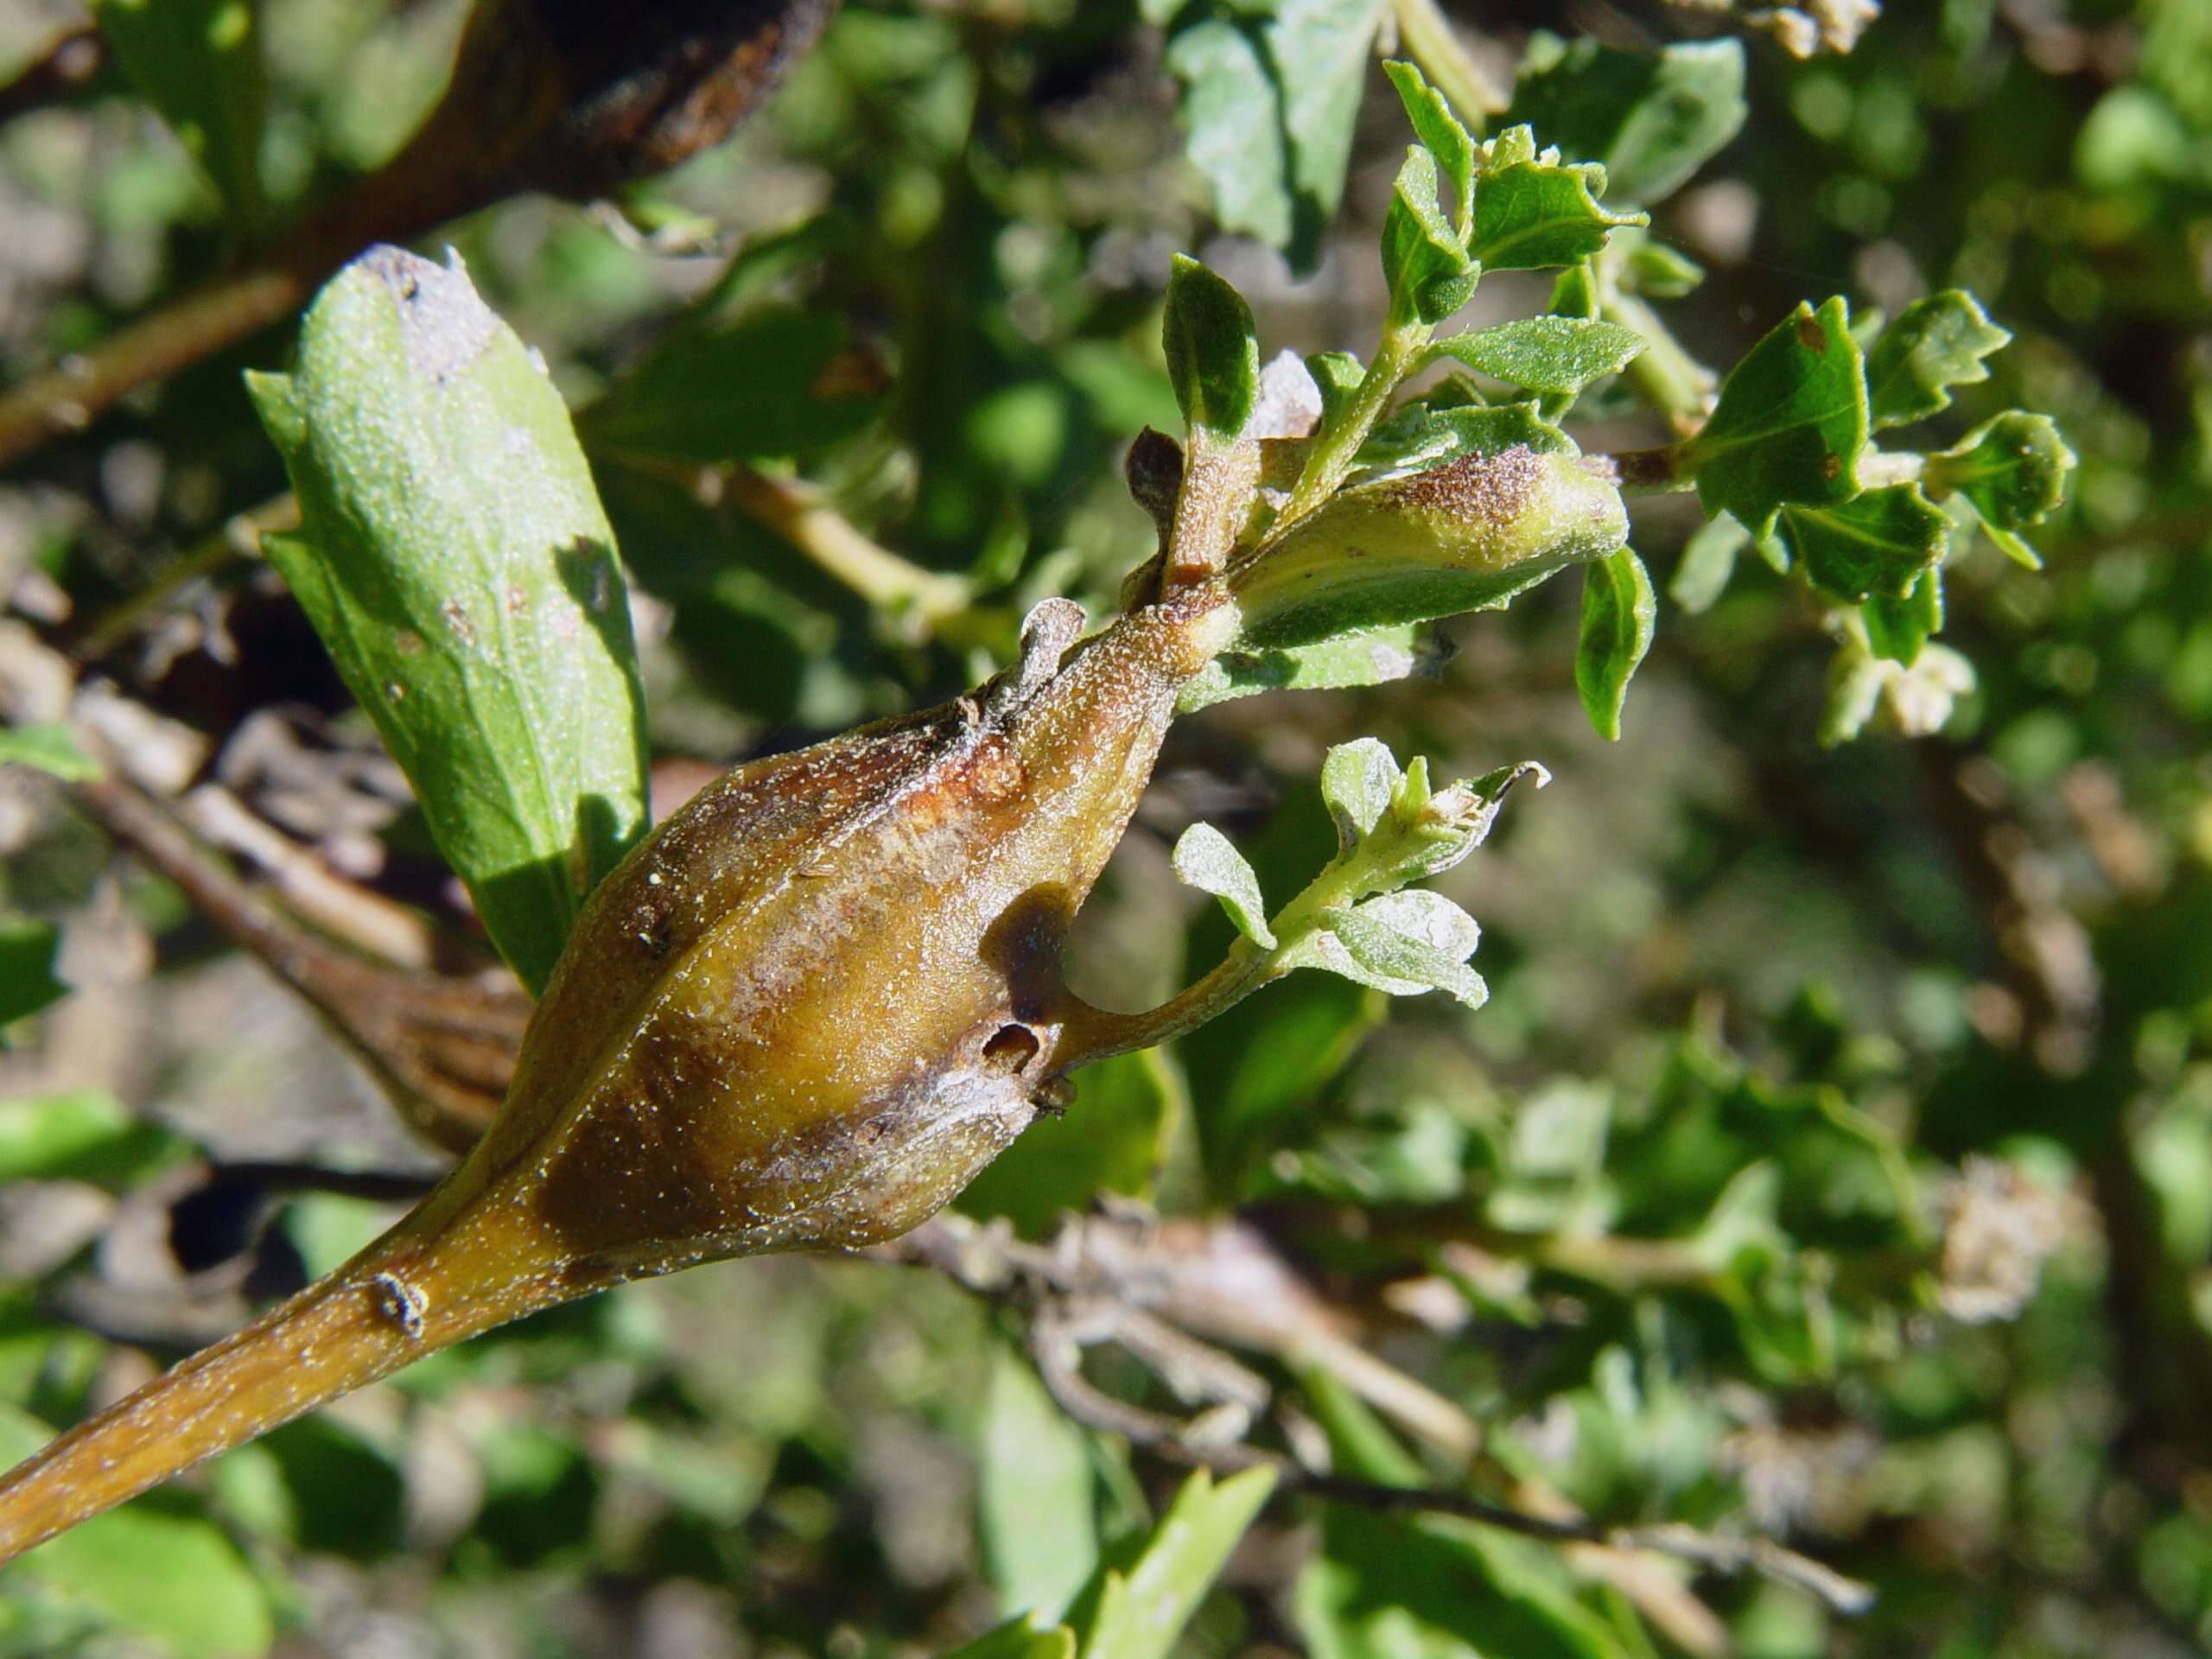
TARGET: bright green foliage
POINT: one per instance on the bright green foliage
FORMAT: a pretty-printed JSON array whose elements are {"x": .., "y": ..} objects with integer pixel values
[
  {"x": 49, "y": 749},
  {"x": 1207, "y": 859},
  {"x": 1425, "y": 259},
  {"x": 1213, "y": 357},
  {"x": 1649, "y": 118},
  {"x": 1269, "y": 97},
  {"x": 1537, "y": 213},
  {"x": 26, "y": 978},
  {"x": 1934, "y": 345},
  {"x": 84, "y": 1134},
  {"x": 1140, "y": 1601},
  {"x": 1546, "y": 354},
  {"x": 1789, "y": 425},
  {"x": 200, "y": 63},
  {"x": 1897, "y": 627},
  {"x": 1879, "y": 542},
  {"x": 1449, "y": 144},
  {"x": 1618, "y": 615},
  {"x": 2013, "y": 468},
  {"x": 1035, "y": 1501},
  {"x": 1019, "y": 1639},
  {"x": 454, "y": 558},
  {"x": 1113, "y": 1138}
]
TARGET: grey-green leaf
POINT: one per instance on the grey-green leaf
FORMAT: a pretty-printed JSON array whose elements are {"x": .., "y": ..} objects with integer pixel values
[
  {"x": 1707, "y": 562},
  {"x": 1405, "y": 943},
  {"x": 1876, "y": 544},
  {"x": 1936, "y": 343},
  {"x": 1618, "y": 616},
  {"x": 1357, "y": 780},
  {"x": 1546, "y": 354},
  {"x": 1789, "y": 425},
  {"x": 457, "y": 562},
  {"x": 1136, "y": 1609},
  {"x": 1441, "y": 134},
  {"x": 1213, "y": 353},
  {"x": 1425, "y": 263},
  {"x": 199, "y": 63},
  {"x": 1651, "y": 118},
  {"x": 1207, "y": 859}
]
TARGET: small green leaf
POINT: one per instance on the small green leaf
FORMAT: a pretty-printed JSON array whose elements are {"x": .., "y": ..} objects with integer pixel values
[
  {"x": 1019, "y": 1639},
  {"x": 1358, "y": 780},
  {"x": 172, "y": 1580},
  {"x": 199, "y": 63},
  {"x": 454, "y": 558},
  {"x": 1270, "y": 97},
  {"x": 1789, "y": 425},
  {"x": 1532, "y": 215},
  {"x": 1034, "y": 1504},
  {"x": 1935, "y": 344},
  {"x": 47, "y": 748},
  {"x": 1659, "y": 272},
  {"x": 1213, "y": 355},
  {"x": 1207, "y": 859},
  {"x": 1336, "y": 376},
  {"x": 85, "y": 1135},
  {"x": 778, "y": 383},
  {"x": 1374, "y": 657},
  {"x": 1421, "y": 435},
  {"x": 1441, "y": 134},
  {"x": 1137, "y": 1605},
  {"x": 1425, "y": 265},
  {"x": 1650, "y": 119},
  {"x": 1406, "y": 943},
  {"x": 1617, "y": 614},
  {"x": 1708, "y": 560},
  {"x": 27, "y": 980},
  {"x": 1897, "y": 628},
  {"x": 1876, "y": 543},
  {"x": 1546, "y": 354},
  {"x": 2013, "y": 469}
]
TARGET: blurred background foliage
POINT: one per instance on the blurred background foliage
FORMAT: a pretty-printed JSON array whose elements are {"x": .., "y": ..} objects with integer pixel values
[{"x": 1833, "y": 1159}]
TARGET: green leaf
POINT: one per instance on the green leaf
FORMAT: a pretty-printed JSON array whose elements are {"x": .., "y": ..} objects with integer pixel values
[
  {"x": 1618, "y": 613},
  {"x": 1425, "y": 263},
  {"x": 1441, "y": 134},
  {"x": 1876, "y": 543},
  {"x": 1374, "y": 657},
  {"x": 49, "y": 749},
  {"x": 456, "y": 562},
  {"x": 1336, "y": 376},
  {"x": 172, "y": 1580},
  {"x": 777, "y": 383},
  {"x": 1207, "y": 859},
  {"x": 199, "y": 63},
  {"x": 1112, "y": 1139},
  {"x": 85, "y": 1135},
  {"x": 1650, "y": 119},
  {"x": 2013, "y": 469},
  {"x": 1708, "y": 560},
  {"x": 1019, "y": 1639},
  {"x": 1406, "y": 943},
  {"x": 1789, "y": 425},
  {"x": 1034, "y": 1506},
  {"x": 27, "y": 979},
  {"x": 1137, "y": 1605},
  {"x": 1270, "y": 97},
  {"x": 1359, "y": 779},
  {"x": 1213, "y": 355},
  {"x": 1935, "y": 344},
  {"x": 1546, "y": 354},
  {"x": 1897, "y": 627},
  {"x": 1534, "y": 214}
]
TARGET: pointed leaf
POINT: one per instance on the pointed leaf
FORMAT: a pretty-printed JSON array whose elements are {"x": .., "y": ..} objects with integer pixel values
[
  {"x": 1207, "y": 859},
  {"x": 198, "y": 62},
  {"x": 1546, "y": 354},
  {"x": 1213, "y": 355},
  {"x": 1425, "y": 265},
  {"x": 1536, "y": 214},
  {"x": 1137, "y": 1611},
  {"x": 1441, "y": 134},
  {"x": 1789, "y": 425},
  {"x": 49, "y": 749},
  {"x": 1897, "y": 628},
  {"x": 454, "y": 558},
  {"x": 1019, "y": 1639},
  {"x": 1650, "y": 119},
  {"x": 1618, "y": 616},
  {"x": 1876, "y": 543},
  {"x": 1935, "y": 344}
]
